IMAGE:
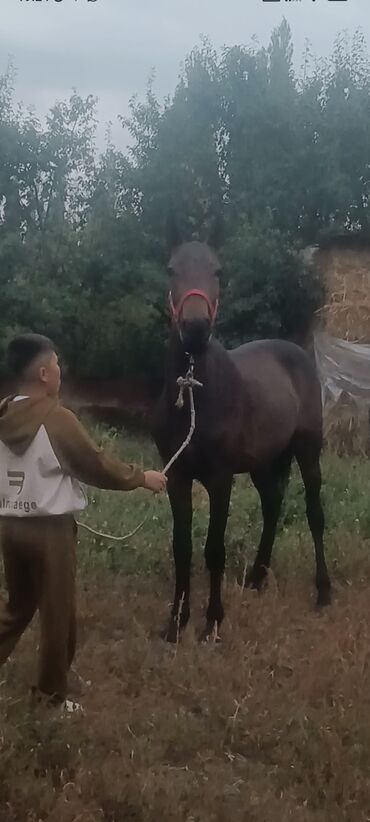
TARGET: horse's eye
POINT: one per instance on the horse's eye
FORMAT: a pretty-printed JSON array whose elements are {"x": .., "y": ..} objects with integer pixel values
[{"x": 170, "y": 271}]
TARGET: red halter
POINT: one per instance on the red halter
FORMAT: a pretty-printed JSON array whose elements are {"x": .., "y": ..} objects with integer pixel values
[{"x": 193, "y": 292}]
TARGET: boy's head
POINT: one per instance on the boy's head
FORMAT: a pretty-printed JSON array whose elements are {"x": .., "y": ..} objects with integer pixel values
[{"x": 33, "y": 363}]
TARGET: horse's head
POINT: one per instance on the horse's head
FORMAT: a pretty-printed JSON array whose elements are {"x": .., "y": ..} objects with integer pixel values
[{"x": 194, "y": 287}]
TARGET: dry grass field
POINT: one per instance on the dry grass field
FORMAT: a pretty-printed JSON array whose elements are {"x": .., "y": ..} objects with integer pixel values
[{"x": 271, "y": 725}]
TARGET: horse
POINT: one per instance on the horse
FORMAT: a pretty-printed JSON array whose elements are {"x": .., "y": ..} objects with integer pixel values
[{"x": 259, "y": 407}]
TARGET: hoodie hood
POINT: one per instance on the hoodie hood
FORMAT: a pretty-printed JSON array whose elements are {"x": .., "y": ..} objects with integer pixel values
[{"x": 20, "y": 421}]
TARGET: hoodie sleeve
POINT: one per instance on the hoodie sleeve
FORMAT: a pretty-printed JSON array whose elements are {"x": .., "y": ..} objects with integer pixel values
[{"x": 82, "y": 459}]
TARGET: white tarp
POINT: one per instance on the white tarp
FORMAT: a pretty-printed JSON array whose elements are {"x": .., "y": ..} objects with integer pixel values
[{"x": 343, "y": 367}]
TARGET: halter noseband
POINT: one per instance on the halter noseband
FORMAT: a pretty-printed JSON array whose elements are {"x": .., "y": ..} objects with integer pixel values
[{"x": 193, "y": 292}]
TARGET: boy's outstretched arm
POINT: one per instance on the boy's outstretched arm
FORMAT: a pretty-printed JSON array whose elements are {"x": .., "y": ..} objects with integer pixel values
[{"x": 80, "y": 457}]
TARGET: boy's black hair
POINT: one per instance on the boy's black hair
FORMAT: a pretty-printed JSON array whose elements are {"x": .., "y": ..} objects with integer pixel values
[{"x": 23, "y": 350}]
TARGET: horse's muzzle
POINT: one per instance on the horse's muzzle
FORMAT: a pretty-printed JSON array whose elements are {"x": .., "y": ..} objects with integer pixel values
[{"x": 195, "y": 334}]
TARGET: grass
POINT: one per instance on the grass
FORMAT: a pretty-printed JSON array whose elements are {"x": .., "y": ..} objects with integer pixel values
[
  {"x": 347, "y": 509},
  {"x": 272, "y": 725}
]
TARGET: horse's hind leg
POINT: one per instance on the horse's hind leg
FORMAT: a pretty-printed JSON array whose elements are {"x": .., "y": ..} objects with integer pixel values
[
  {"x": 308, "y": 457},
  {"x": 219, "y": 490},
  {"x": 179, "y": 491},
  {"x": 270, "y": 484}
]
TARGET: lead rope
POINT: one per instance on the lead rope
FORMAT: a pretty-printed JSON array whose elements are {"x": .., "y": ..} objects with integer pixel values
[{"x": 184, "y": 383}]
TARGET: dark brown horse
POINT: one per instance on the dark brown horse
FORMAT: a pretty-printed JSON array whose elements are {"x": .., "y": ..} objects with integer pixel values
[{"x": 260, "y": 406}]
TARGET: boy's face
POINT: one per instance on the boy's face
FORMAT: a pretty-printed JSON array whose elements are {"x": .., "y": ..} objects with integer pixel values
[{"x": 49, "y": 374}]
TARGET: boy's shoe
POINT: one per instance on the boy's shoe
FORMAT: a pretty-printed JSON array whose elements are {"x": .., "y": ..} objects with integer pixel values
[{"x": 69, "y": 707}]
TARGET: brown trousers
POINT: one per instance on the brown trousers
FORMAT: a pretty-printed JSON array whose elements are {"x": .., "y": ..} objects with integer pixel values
[{"x": 39, "y": 556}]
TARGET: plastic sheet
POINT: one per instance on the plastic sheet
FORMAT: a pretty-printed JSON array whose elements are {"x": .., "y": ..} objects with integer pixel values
[{"x": 343, "y": 368}]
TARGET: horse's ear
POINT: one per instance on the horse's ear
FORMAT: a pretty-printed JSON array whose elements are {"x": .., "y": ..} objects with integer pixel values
[
  {"x": 215, "y": 235},
  {"x": 173, "y": 236}
]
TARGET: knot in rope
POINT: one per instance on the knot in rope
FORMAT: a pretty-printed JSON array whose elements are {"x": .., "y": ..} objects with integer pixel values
[{"x": 189, "y": 382}]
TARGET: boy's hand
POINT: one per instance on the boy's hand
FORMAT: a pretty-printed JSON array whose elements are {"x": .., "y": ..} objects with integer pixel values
[{"x": 155, "y": 481}]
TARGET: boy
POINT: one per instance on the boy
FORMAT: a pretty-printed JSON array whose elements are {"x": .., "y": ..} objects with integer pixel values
[{"x": 44, "y": 454}]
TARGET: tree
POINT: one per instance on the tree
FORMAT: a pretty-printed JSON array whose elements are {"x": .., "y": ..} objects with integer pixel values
[{"x": 285, "y": 158}]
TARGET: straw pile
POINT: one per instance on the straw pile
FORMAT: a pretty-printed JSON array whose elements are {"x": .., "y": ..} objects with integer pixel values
[
  {"x": 346, "y": 428},
  {"x": 346, "y": 275},
  {"x": 345, "y": 270}
]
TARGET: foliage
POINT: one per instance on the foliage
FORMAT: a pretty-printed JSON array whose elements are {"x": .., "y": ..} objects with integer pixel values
[{"x": 284, "y": 157}]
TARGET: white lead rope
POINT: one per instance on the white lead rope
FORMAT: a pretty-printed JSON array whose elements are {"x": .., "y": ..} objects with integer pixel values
[
  {"x": 111, "y": 536},
  {"x": 185, "y": 383}
]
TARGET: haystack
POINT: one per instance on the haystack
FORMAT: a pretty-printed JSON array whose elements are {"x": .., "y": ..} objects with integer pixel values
[
  {"x": 344, "y": 266},
  {"x": 345, "y": 270}
]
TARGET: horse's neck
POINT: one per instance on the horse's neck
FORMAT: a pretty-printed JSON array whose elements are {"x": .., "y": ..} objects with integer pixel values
[{"x": 211, "y": 367}]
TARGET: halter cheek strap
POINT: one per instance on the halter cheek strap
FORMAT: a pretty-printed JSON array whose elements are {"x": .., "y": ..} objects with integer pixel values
[{"x": 194, "y": 292}]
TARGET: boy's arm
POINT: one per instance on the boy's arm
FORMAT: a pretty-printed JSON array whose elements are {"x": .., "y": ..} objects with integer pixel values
[{"x": 81, "y": 458}]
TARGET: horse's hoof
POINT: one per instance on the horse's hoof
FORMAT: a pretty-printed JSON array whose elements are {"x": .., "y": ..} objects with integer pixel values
[
  {"x": 323, "y": 598},
  {"x": 255, "y": 580},
  {"x": 172, "y": 633},
  {"x": 211, "y": 635}
]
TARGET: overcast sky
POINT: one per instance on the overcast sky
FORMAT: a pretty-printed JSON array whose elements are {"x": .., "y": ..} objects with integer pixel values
[{"x": 109, "y": 47}]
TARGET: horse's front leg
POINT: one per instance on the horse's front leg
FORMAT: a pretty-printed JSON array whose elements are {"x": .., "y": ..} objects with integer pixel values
[
  {"x": 219, "y": 490},
  {"x": 180, "y": 494}
]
